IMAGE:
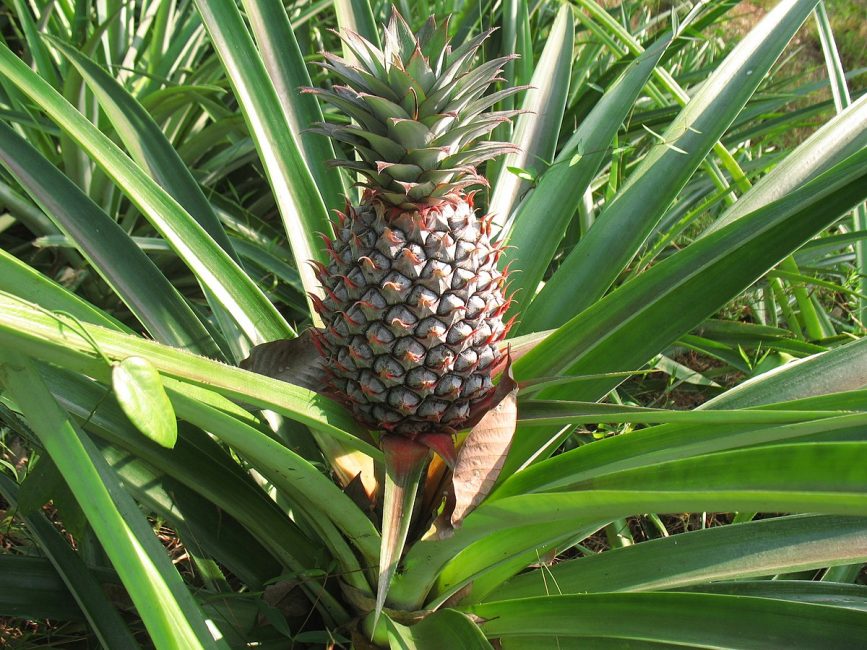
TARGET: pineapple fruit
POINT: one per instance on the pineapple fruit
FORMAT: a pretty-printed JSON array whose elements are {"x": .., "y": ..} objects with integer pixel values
[{"x": 413, "y": 301}]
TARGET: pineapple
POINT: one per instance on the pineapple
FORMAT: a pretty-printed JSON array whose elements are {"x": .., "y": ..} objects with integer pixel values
[{"x": 413, "y": 301}]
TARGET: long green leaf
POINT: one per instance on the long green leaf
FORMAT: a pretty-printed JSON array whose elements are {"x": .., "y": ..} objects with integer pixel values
[
  {"x": 22, "y": 280},
  {"x": 405, "y": 460},
  {"x": 197, "y": 462},
  {"x": 56, "y": 338},
  {"x": 745, "y": 248},
  {"x": 481, "y": 568},
  {"x": 842, "y": 100},
  {"x": 807, "y": 477},
  {"x": 152, "y": 151},
  {"x": 634, "y": 322},
  {"x": 840, "y": 137},
  {"x": 542, "y": 217},
  {"x": 126, "y": 269},
  {"x": 287, "y": 70},
  {"x": 737, "y": 551},
  {"x": 536, "y": 131},
  {"x": 298, "y": 199},
  {"x": 216, "y": 533},
  {"x": 549, "y": 412},
  {"x": 147, "y": 144},
  {"x": 850, "y": 596},
  {"x": 42, "y": 61},
  {"x": 684, "y": 619},
  {"x": 357, "y": 16},
  {"x": 286, "y": 470},
  {"x": 647, "y": 447},
  {"x": 446, "y": 628},
  {"x": 206, "y": 527}
]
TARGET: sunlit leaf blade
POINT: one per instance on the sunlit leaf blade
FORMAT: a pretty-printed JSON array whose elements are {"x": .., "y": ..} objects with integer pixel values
[
  {"x": 666, "y": 442},
  {"x": 152, "y": 151},
  {"x": 301, "y": 207},
  {"x": 626, "y": 222},
  {"x": 536, "y": 131},
  {"x": 140, "y": 393},
  {"x": 147, "y": 144},
  {"x": 694, "y": 620},
  {"x": 269, "y": 502},
  {"x": 42, "y": 61},
  {"x": 829, "y": 480},
  {"x": 285, "y": 468},
  {"x": 22, "y": 280},
  {"x": 197, "y": 473},
  {"x": 478, "y": 570},
  {"x": 195, "y": 520},
  {"x": 286, "y": 68},
  {"x": 747, "y": 248},
  {"x": 842, "y": 100},
  {"x": 738, "y": 551},
  {"x": 168, "y": 609},
  {"x": 622, "y": 330},
  {"x": 55, "y": 338},
  {"x": 560, "y": 412},
  {"x": 682, "y": 474},
  {"x": 536, "y": 642},
  {"x": 356, "y": 15},
  {"x": 837, "y": 139}
]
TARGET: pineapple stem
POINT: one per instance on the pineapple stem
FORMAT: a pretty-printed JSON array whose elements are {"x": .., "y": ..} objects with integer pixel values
[{"x": 405, "y": 460}]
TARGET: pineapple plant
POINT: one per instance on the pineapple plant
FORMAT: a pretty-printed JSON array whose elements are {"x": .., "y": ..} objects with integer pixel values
[
  {"x": 181, "y": 195},
  {"x": 413, "y": 298}
]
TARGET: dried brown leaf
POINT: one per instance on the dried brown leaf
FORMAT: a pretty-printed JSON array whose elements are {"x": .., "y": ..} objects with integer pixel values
[
  {"x": 296, "y": 361},
  {"x": 482, "y": 455}
]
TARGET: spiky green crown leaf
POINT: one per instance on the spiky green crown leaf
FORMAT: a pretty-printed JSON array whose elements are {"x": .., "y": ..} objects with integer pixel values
[{"x": 418, "y": 111}]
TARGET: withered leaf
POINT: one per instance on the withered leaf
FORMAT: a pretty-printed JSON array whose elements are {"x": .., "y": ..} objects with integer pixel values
[
  {"x": 296, "y": 361},
  {"x": 482, "y": 455}
]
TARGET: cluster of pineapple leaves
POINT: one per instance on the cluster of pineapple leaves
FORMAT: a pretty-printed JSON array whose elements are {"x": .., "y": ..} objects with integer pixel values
[{"x": 685, "y": 227}]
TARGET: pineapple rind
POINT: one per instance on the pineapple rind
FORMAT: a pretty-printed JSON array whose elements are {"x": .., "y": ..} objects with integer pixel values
[{"x": 413, "y": 315}]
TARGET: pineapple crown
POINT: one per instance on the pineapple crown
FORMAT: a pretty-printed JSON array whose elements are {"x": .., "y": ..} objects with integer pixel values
[{"x": 418, "y": 109}]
